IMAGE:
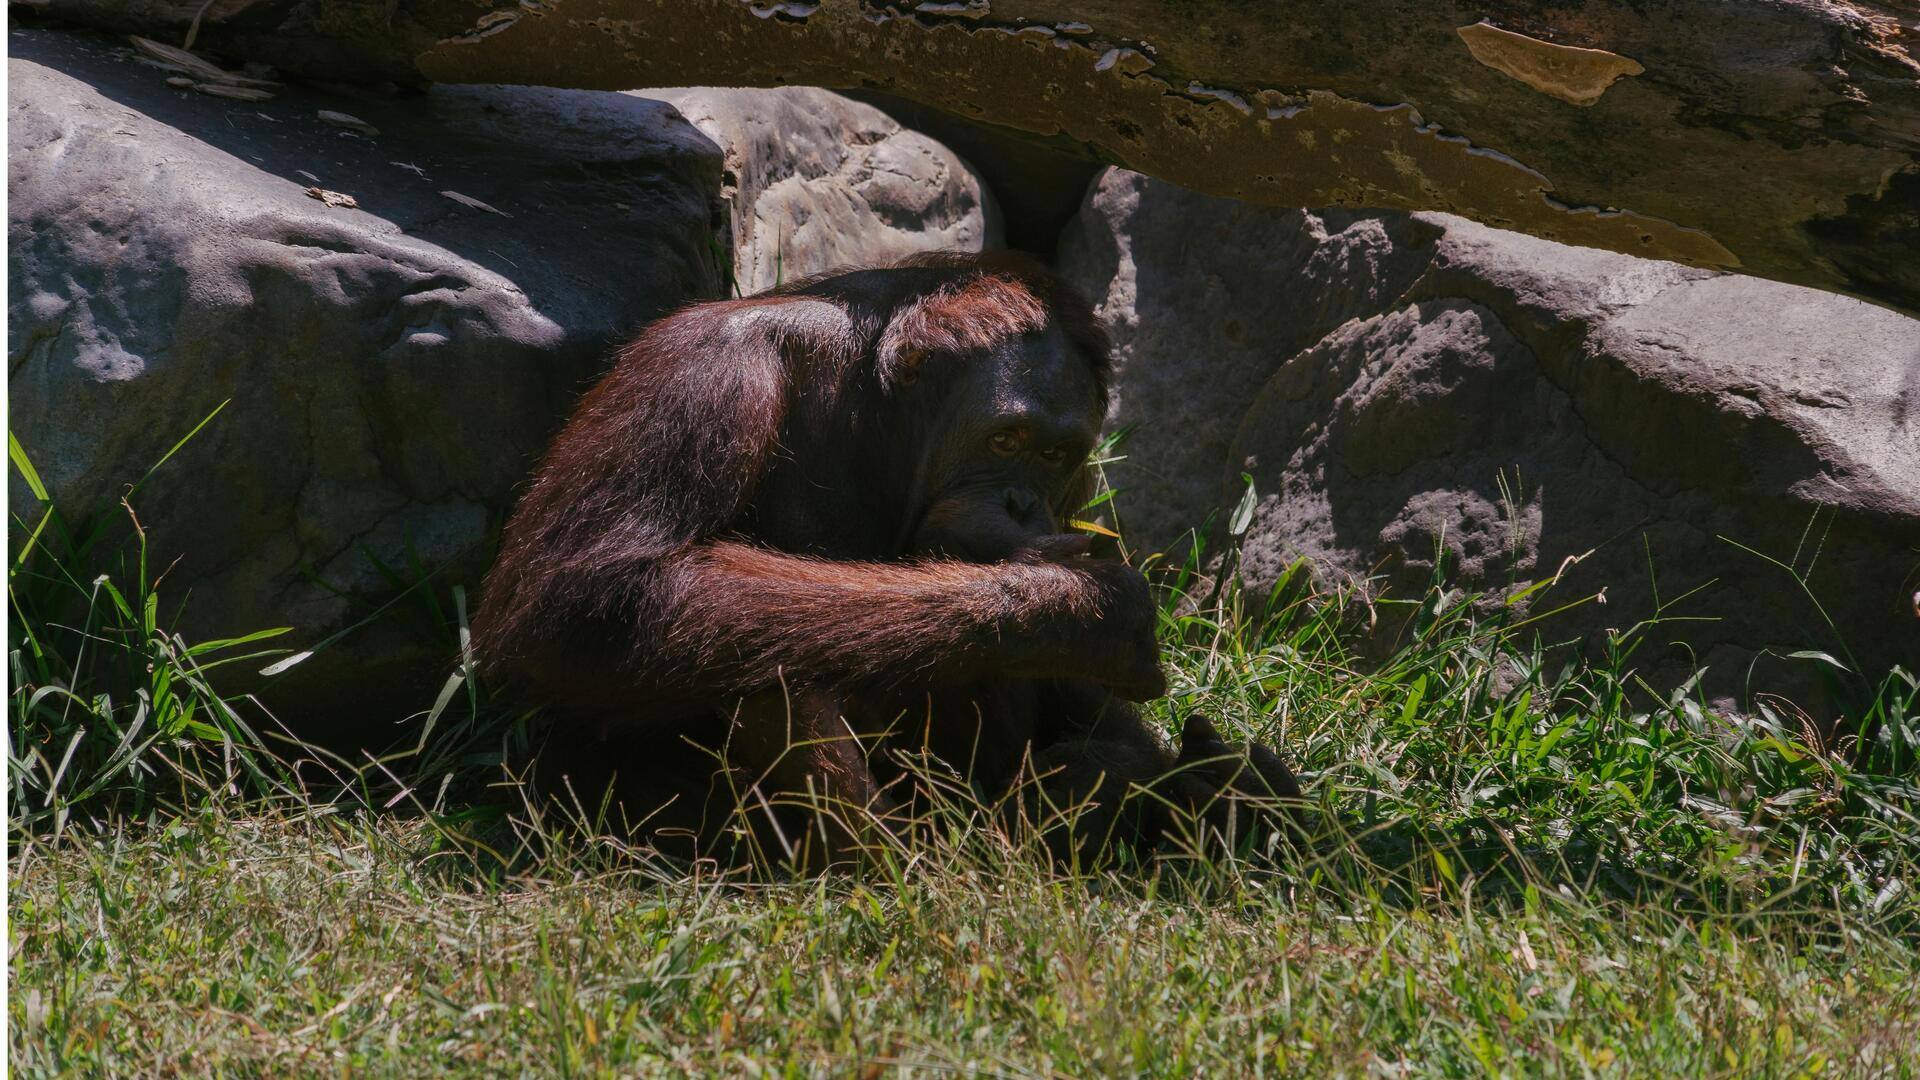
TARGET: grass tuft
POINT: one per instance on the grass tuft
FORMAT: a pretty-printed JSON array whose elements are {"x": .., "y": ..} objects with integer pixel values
[{"x": 112, "y": 712}]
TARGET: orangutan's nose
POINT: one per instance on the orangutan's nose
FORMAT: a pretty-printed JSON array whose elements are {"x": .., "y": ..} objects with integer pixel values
[{"x": 1022, "y": 504}]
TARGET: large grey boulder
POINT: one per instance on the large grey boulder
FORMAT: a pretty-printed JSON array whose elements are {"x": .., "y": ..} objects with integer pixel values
[
  {"x": 1405, "y": 388},
  {"x": 393, "y": 370},
  {"x": 817, "y": 181}
]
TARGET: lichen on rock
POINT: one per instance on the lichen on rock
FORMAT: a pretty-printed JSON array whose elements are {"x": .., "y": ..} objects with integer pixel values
[{"x": 1575, "y": 75}]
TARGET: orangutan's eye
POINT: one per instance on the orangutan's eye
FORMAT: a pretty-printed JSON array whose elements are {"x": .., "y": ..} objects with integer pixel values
[{"x": 1004, "y": 443}]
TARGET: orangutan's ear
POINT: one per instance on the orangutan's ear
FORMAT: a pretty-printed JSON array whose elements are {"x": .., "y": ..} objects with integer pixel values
[
  {"x": 904, "y": 370},
  {"x": 899, "y": 362}
]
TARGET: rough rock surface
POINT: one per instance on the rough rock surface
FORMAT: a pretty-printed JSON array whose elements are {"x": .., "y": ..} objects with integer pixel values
[
  {"x": 1400, "y": 386},
  {"x": 1782, "y": 138},
  {"x": 817, "y": 181},
  {"x": 1037, "y": 182},
  {"x": 393, "y": 370}
]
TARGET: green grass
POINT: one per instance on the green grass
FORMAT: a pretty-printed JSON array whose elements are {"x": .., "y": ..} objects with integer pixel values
[
  {"x": 1522, "y": 864},
  {"x": 109, "y": 709},
  {"x": 277, "y": 944}
]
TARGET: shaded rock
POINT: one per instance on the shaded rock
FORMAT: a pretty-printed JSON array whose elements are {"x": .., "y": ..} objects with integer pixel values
[
  {"x": 1201, "y": 297},
  {"x": 1774, "y": 138},
  {"x": 1413, "y": 389},
  {"x": 393, "y": 370},
  {"x": 817, "y": 181}
]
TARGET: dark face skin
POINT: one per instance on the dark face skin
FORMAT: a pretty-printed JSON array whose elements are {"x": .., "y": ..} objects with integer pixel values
[{"x": 1018, "y": 423}]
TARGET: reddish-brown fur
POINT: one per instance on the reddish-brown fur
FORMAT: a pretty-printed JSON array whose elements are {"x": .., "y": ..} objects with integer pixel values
[{"x": 710, "y": 554}]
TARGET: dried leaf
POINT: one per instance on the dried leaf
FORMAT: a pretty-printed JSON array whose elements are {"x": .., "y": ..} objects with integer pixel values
[
  {"x": 468, "y": 200},
  {"x": 192, "y": 64},
  {"x": 193, "y": 28},
  {"x": 238, "y": 93},
  {"x": 333, "y": 198},
  {"x": 180, "y": 58},
  {"x": 348, "y": 121}
]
